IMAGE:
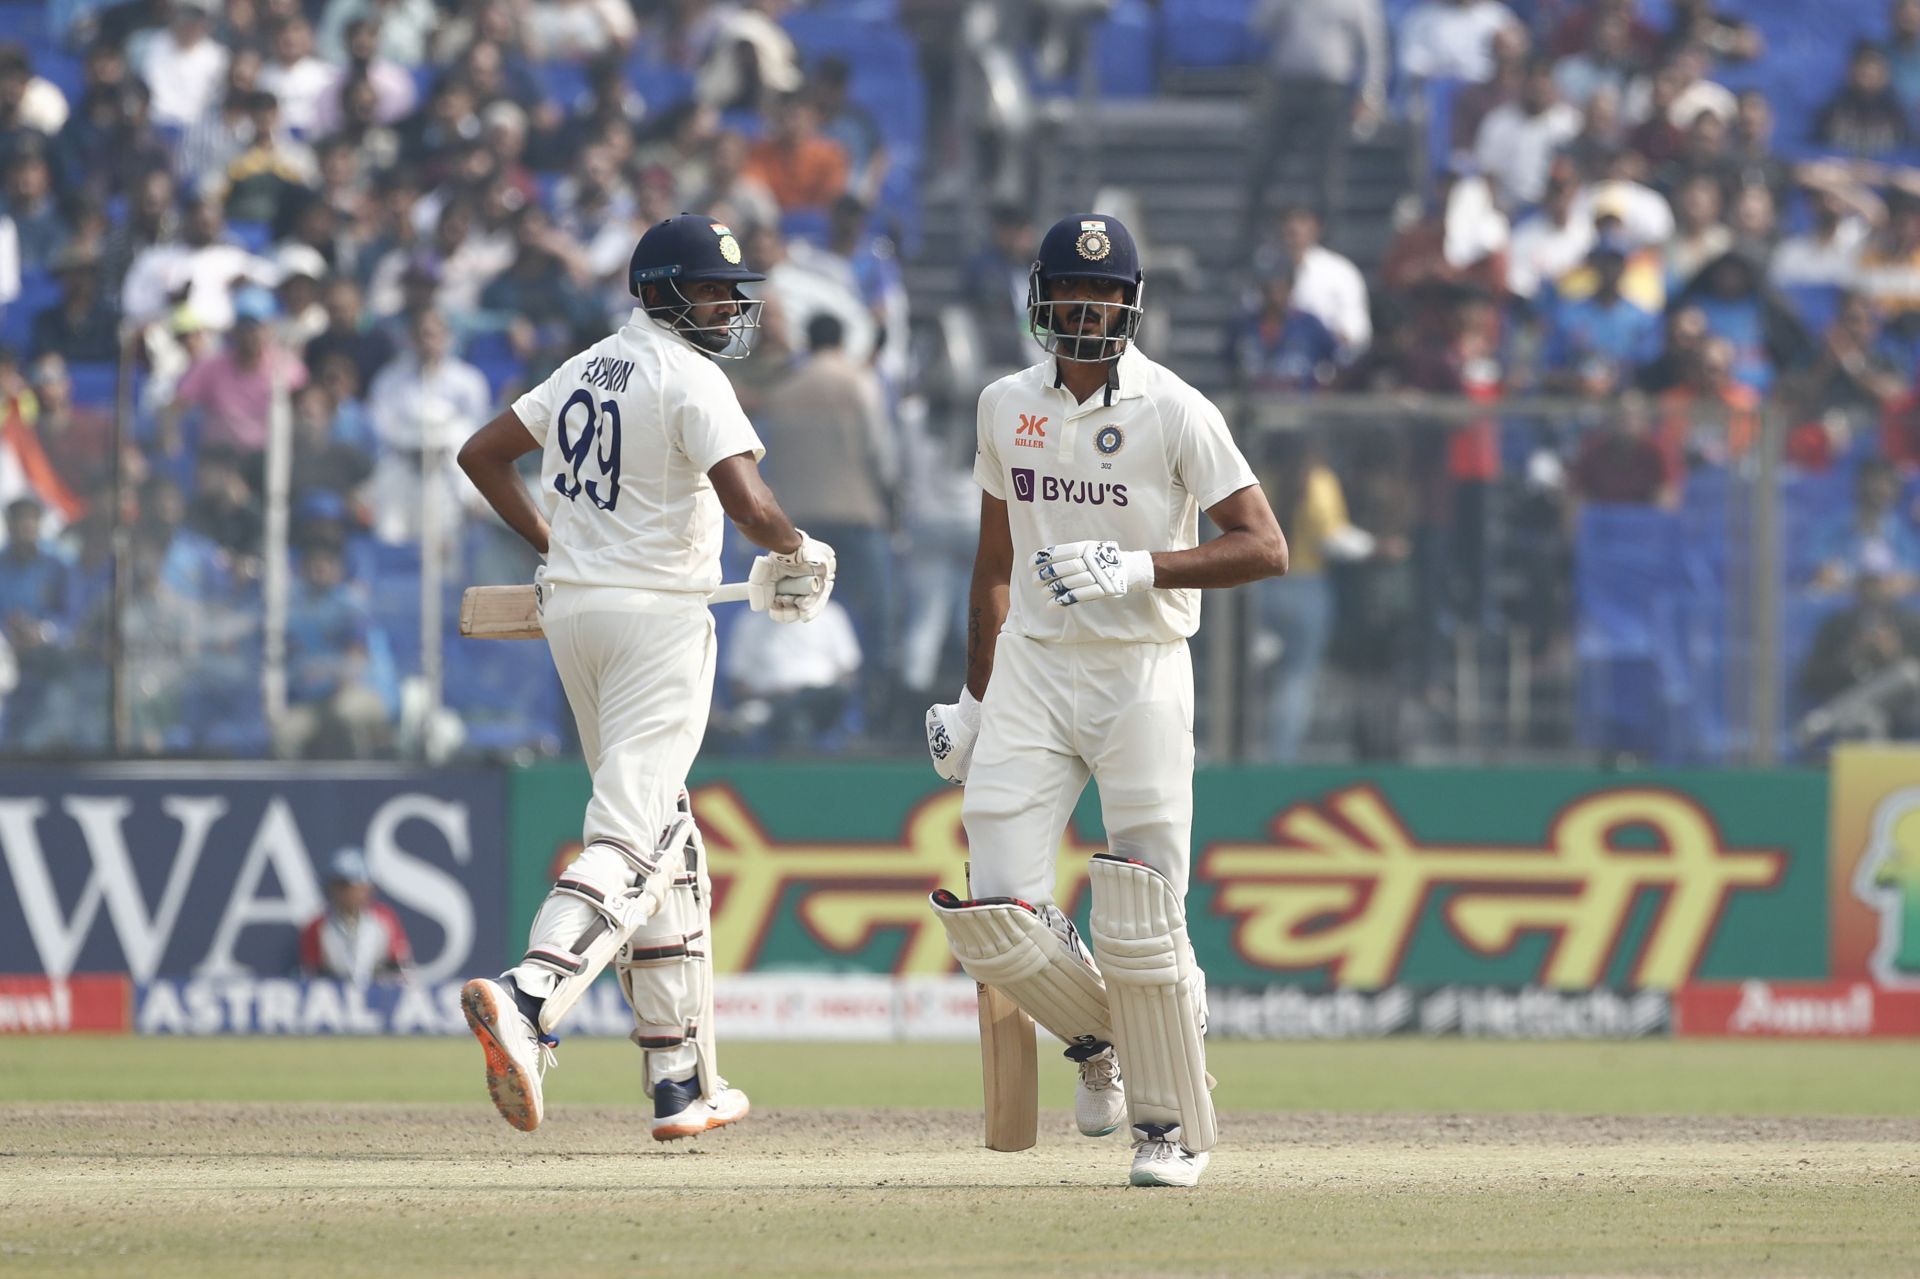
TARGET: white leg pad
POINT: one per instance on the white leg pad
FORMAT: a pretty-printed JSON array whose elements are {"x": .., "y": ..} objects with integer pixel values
[
  {"x": 666, "y": 972},
  {"x": 1158, "y": 994},
  {"x": 1036, "y": 960},
  {"x": 594, "y": 906}
]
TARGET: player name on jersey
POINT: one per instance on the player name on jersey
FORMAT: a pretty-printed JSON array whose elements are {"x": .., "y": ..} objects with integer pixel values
[{"x": 604, "y": 373}]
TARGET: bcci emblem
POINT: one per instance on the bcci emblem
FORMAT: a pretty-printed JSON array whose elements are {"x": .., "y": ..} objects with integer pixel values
[
  {"x": 1109, "y": 440},
  {"x": 1093, "y": 244},
  {"x": 1888, "y": 881},
  {"x": 730, "y": 250}
]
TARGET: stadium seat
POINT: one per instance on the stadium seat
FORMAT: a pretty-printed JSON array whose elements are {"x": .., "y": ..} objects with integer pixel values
[
  {"x": 1815, "y": 304},
  {"x": 491, "y": 353},
  {"x": 1125, "y": 51},
  {"x": 1206, "y": 33}
]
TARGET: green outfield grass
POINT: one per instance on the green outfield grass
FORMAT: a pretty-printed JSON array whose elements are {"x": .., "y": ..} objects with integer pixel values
[
  {"x": 1698, "y": 1077},
  {"x": 323, "y": 1158}
]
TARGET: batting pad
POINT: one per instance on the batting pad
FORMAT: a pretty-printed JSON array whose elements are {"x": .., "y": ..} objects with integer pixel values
[
  {"x": 1158, "y": 996},
  {"x": 1004, "y": 943},
  {"x": 666, "y": 967}
]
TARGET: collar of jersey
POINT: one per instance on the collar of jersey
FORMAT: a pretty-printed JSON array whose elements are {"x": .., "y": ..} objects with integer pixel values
[
  {"x": 1128, "y": 381},
  {"x": 643, "y": 323}
]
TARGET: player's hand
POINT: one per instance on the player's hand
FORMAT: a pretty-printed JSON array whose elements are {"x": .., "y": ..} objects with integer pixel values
[
  {"x": 811, "y": 559},
  {"x": 952, "y": 729},
  {"x": 1074, "y": 572}
]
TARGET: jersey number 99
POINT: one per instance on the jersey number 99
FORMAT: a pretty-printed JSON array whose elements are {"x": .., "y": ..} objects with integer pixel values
[{"x": 599, "y": 438}]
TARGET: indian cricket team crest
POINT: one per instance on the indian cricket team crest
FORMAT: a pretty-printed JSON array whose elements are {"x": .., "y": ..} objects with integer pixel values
[
  {"x": 1094, "y": 244},
  {"x": 1108, "y": 440},
  {"x": 729, "y": 247}
]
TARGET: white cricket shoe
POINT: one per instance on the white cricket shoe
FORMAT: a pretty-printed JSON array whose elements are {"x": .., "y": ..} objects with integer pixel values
[
  {"x": 680, "y": 1111},
  {"x": 1100, "y": 1100},
  {"x": 517, "y": 1056},
  {"x": 1160, "y": 1160}
]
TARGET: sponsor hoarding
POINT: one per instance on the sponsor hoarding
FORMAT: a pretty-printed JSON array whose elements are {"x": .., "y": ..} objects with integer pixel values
[{"x": 182, "y": 870}]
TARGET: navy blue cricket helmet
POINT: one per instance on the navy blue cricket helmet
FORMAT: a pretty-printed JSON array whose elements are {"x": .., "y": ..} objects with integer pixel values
[
  {"x": 1085, "y": 246},
  {"x": 691, "y": 248}
]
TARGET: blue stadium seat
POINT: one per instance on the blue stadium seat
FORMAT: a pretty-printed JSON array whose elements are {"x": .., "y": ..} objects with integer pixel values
[
  {"x": 38, "y": 291},
  {"x": 491, "y": 353},
  {"x": 507, "y": 695},
  {"x": 1207, "y": 33},
  {"x": 254, "y": 237},
  {"x": 95, "y": 384},
  {"x": 1815, "y": 304},
  {"x": 1630, "y": 634},
  {"x": 1125, "y": 51}
]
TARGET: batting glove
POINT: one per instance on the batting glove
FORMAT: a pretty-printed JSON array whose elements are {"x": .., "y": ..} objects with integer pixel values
[
  {"x": 952, "y": 729},
  {"x": 811, "y": 559},
  {"x": 1074, "y": 572}
]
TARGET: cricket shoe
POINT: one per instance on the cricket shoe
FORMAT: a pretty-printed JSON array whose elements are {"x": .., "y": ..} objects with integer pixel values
[
  {"x": 680, "y": 1111},
  {"x": 1160, "y": 1160},
  {"x": 1100, "y": 1100},
  {"x": 518, "y": 1055}
]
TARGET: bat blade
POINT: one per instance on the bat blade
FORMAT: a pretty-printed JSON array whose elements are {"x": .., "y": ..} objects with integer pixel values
[{"x": 1010, "y": 1073}]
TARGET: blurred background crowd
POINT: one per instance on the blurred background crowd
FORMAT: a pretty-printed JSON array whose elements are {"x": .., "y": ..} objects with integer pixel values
[{"x": 1578, "y": 345}]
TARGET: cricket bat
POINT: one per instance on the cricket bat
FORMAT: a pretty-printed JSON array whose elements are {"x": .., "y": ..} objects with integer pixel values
[
  {"x": 1010, "y": 1072},
  {"x": 513, "y": 612}
]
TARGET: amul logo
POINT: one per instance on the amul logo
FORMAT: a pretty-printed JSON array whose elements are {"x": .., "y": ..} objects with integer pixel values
[{"x": 1031, "y": 433}]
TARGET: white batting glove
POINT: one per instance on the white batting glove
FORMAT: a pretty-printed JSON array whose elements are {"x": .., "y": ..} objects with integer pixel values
[
  {"x": 952, "y": 729},
  {"x": 1074, "y": 572},
  {"x": 811, "y": 559}
]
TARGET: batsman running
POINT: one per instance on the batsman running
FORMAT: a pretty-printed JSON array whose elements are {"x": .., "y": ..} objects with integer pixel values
[
  {"x": 643, "y": 446},
  {"x": 1094, "y": 466}
]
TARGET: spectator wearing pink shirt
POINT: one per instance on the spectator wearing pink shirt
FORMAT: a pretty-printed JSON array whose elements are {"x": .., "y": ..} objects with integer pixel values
[{"x": 233, "y": 387}]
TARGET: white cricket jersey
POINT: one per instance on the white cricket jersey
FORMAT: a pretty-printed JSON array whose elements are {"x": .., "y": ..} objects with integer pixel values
[
  {"x": 1137, "y": 471},
  {"x": 629, "y": 429}
]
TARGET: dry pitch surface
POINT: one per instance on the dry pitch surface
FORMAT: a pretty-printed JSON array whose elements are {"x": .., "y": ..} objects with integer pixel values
[{"x": 334, "y": 1187}]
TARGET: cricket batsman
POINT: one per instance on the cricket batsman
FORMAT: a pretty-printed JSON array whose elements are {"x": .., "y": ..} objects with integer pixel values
[
  {"x": 643, "y": 446},
  {"x": 1094, "y": 466}
]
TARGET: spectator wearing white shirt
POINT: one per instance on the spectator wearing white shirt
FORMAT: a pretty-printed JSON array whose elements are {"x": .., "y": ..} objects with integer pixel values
[
  {"x": 1554, "y": 240},
  {"x": 1325, "y": 285},
  {"x": 1645, "y": 216},
  {"x": 1828, "y": 252},
  {"x": 423, "y": 403},
  {"x": 1607, "y": 65},
  {"x": 197, "y": 271},
  {"x": 1518, "y": 140},
  {"x": 1452, "y": 39},
  {"x": 296, "y": 77},
  {"x": 794, "y": 681},
  {"x": 1688, "y": 90},
  {"x": 394, "y": 91},
  {"x": 184, "y": 66},
  {"x": 404, "y": 28}
]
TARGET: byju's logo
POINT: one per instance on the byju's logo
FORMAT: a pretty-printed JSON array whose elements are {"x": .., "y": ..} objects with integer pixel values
[
  {"x": 1031, "y": 433},
  {"x": 1072, "y": 492}
]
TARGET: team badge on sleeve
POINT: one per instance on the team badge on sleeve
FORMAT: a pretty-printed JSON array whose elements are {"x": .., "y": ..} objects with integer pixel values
[{"x": 1108, "y": 440}]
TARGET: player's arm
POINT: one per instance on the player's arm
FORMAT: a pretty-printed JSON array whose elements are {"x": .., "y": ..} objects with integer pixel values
[
  {"x": 1250, "y": 547},
  {"x": 488, "y": 458},
  {"x": 751, "y": 505},
  {"x": 987, "y": 598}
]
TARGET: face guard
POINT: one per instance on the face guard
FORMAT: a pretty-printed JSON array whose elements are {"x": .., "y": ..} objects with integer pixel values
[
  {"x": 1059, "y": 327},
  {"x": 731, "y": 339}
]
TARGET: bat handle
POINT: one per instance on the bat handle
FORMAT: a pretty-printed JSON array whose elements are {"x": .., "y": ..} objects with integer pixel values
[{"x": 735, "y": 592}]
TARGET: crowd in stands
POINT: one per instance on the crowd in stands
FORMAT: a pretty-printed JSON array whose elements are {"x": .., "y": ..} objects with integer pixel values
[{"x": 389, "y": 215}]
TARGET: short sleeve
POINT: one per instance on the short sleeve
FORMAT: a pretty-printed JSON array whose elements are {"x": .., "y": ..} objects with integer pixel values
[
  {"x": 709, "y": 423},
  {"x": 536, "y": 408},
  {"x": 986, "y": 454},
  {"x": 1206, "y": 459}
]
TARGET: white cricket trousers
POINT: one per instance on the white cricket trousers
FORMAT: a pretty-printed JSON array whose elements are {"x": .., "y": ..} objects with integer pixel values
[
  {"x": 638, "y": 670},
  {"x": 1054, "y": 714}
]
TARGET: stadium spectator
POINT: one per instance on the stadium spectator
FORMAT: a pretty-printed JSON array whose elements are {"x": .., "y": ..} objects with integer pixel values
[
  {"x": 77, "y": 439},
  {"x": 1326, "y": 75},
  {"x": 574, "y": 30},
  {"x": 1684, "y": 333},
  {"x": 1710, "y": 417},
  {"x": 1889, "y": 271},
  {"x": 404, "y": 28},
  {"x": 423, "y": 405},
  {"x": 34, "y": 605},
  {"x": 233, "y": 388},
  {"x": 197, "y": 272},
  {"x": 225, "y": 510},
  {"x": 1726, "y": 36},
  {"x": 183, "y": 66},
  {"x": 356, "y": 939},
  {"x": 1699, "y": 235},
  {"x": 1766, "y": 337},
  {"x": 802, "y": 169},
  {"x": 194, "y": 565},
  {"x": 1517, "y": 141},
  {"x": 39, "y": 226},
  {"x": 347, "y": 333},
  {"x": 1594, "y": 344},
  {"x": 1553, "y": 240},
  {"x": 321, "y": 460},
  {"x": 1325, "y": 284},
  {"x": 1619, "y": 191},
  {"x": 1902, "y": 51},
  {"x": 749, "y": 59},
  {"x": 81, "y": 328},
  {"x": 1621, "y": 464},
  {"x": 1460, "y": 242},
  {"x": 995, "y": 280},
  {"x": 1473, "y": 102},
  {"x": 1606, "y": 64},
  {"x": 1865, "y": 117},
  {"x": 1755, "y": 222},
  {"x": 733, "y": 190},
  {"x": 791, "y": 687},
  {"x": 1828, "y": 252},
  {"x": 837, "y": 469},
  {"x": 1452, "y": 39},
  {"x": 1275, "y": 346},
  {"x": 394, "y": 90},
  {"x": 1755, "y": 160},
  {"x": 1875, "y": 537},
  {"x": 272, "y": 173},
  {"x": 1870, "y": 649},
  {"x": 846, "y": 122},
  {"x": 30, "y": 105},
  {"x": 1575, "y": 31},
  {"x": 297, "y": 79},
  {"x": 332, "y": 711}
]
